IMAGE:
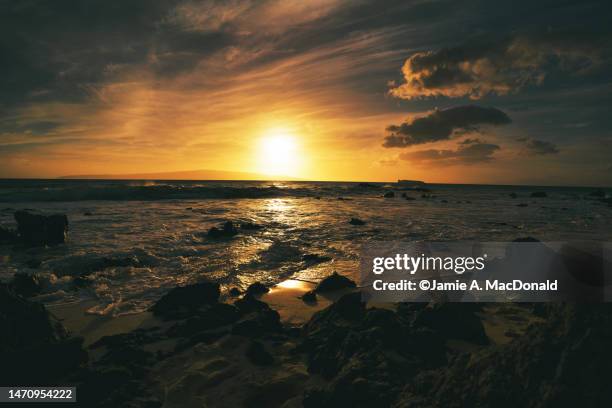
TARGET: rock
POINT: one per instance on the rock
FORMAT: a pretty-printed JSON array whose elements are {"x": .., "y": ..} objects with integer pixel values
[
  {"x": 567, "y": 354},
  {"x": 408, "y": 198},
  {"x": 444, "y": 201},
  {"x": 539, "y": 194},
  {"x": 40, "y": 230},
  {"x": 35, "y": 346},
  {"x": 182, "y": 301},
  {"x": 309, "y": 297},
  {"x": 257, "y": 288},
  {"x": 234, "y": 292},
  {"x": 333, "y": 282},
  {"x": 389, "y": 194},
  {"x": 7, "y": 236},
  {"x": 312, "y": 259},
  {"x": 367, "y": 185},
  {"x": 522, "y": 205},
  {"x": 258, "y": 355},
  {"x": 356, "y": 221},
  {"x": 228, "y": 230},
  {"x": 208, "y": 318},
  {"x": 25, "y": 284},
  {"x": 513, "y": 195},
  {"x": 88, "y": 213},
  {"x": 453, "y": 321},
  {"x": 248, "y": 304}
]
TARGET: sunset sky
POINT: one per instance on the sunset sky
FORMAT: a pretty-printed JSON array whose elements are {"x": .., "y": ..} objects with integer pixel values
[{"x": 444, "y": 91}]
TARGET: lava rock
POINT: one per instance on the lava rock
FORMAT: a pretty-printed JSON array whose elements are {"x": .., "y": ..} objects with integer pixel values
[
  {"x": 182, "y": 301},
  {"x": 333, "y": 282},
  {"x": 258, "y": 355},
  {"x": 356, "y": 221},
  {"x": 211, "y": 317},
  {"x": 389, "y": 194},
  {"x": 228, "y": 230},
  {"x": 234, "y": 292},
  {"x": 36, "y": 229},
  {"x": 257, "y": 288}
]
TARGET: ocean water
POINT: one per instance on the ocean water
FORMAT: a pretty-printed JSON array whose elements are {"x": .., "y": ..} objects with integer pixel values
[{"x": 130, "y": 242}]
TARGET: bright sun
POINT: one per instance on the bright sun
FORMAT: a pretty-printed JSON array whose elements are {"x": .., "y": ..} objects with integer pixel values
[{"x": 278, "y": 152}]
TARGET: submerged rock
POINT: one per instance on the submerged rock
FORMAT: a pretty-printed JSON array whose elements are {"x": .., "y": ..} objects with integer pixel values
[
  {"x": 335, "y": 281},
  {"x": 312, "y": 259},
  {"x": 257, "y": 288},
  {"x": 539, "y": 194},
  {"x": 184, "y": 300},
  {"x": 356, "y": 221},
  {"x": 389, "y": 194},
  {"x": 234, "y": 292},
  {"x": 258, "y": 355},
  {"x": 36, "y": 229},
  {"x": 228, "y": 230}
]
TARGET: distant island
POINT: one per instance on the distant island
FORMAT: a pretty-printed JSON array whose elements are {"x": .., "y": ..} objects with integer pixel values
[{"x": 183, "y": 175}]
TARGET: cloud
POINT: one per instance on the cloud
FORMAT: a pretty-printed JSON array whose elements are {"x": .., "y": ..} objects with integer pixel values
[
  {"x": 538, "y": 147},
  {"x": 443, "y": 125},
  {"x": 499, "y": 67},
  {"x": 465, "y": 154}
]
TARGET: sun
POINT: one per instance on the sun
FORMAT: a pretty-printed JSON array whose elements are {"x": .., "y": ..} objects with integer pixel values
[{"x": 278, "y": 152}]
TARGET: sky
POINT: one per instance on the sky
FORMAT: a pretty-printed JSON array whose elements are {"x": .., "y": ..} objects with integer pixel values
[{"x": 515, "y": 92}]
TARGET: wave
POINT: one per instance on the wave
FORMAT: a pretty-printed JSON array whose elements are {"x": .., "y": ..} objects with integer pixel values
[{"x": 144, "y": 193}]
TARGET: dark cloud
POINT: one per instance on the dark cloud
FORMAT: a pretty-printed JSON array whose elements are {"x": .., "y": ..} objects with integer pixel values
[
  {"x": 539, "y": 147},
  {"x": 499, "y": 66},
  {"x": 469, "y": 141},
  {"x": 443, "y": 124},
  {"x": 465, "y": 154}
]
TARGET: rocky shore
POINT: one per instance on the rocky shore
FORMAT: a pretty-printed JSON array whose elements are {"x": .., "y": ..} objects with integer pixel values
[{"x": 201, "y": 351}]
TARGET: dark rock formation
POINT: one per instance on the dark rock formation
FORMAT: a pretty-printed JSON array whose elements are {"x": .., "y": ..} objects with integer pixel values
[
  {"x": 313, "y": 259},
  {"x": 257, "y": 288},
  {"x": 258, "y": 355},
  {"x": 25, "y": 284},
  {"x": 522, "y": 205},
  {"x": 207, "y": 318},
  {"x": 389, "y": 194},
  {"x": 36, "y": 229},
  {"x": 557, "y": 363},
  {"x": 228, "y": 230},
  {"x": 356, "y": 221},
  {"x": 257, "y": 318},
  {"x": 513, "y": 195},
  {"x": 184, "y": 301},
  {"x": 453, "y": 321},
  {"x": 234, "y": 292},
  {"x": 309, "y": 297},
  {"x": 335, "y": 281},
  {"x": 34, "y": 347}
]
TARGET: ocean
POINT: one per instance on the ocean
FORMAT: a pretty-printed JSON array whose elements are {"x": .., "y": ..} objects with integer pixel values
[{"x": 132, "y": 241}]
